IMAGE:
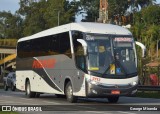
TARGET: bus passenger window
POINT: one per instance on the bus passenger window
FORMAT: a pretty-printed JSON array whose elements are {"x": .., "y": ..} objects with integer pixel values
[
  {"x": 79, "y": 57},
  {"x": 78, "y": 50},
  {"x": 102, "y": 55}
]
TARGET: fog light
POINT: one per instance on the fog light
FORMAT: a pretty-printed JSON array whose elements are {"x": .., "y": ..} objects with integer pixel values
[
  {"x": 134, "y": 91},
  {"x": 94, "y": 91},
  {"x": 134, "y": 83},
  {"x": 94, "y": 82}
]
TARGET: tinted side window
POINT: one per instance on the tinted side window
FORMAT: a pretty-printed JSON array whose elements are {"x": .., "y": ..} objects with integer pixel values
[
  {"x": 64, "y": 44},
  {"x": 78, "y": 50},
  {"x": 54, "y": 44},
  {"x": 24, "y": 49},
  {"x": 44, "y": 46}
]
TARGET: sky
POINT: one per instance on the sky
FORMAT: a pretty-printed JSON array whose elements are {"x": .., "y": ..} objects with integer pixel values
[
  {"x": 13, "y": 5},
  {"x": 9, "y": 5}
]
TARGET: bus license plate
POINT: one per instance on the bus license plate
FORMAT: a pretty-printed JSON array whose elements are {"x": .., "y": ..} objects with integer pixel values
[{"x": 115, "y": 92}]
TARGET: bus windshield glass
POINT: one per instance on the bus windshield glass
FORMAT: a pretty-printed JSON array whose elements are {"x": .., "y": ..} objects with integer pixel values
[{"x": 111, "y": 55}]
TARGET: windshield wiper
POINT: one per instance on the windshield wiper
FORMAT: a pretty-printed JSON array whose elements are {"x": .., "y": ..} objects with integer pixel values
[
  {"x": 116, "y": 63},
  {"x": 121, "y": 66}
]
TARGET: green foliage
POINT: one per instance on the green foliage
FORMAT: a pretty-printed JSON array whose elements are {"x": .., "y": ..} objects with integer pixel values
[
  {"x": 148, "y": 94},
  {"x": 10, "y": 25},
  {"x": 145, "y": 3},
  {"x": 36, "y": 15},
  {"x": 91, "y": 8},
  {"x": 44, "y": 14},
  {"x": 115, "y": 8},
  {"x": 147, "y": 26},
  {"x": 151, "y": 14},
  {"x": 146, "y": 29}
]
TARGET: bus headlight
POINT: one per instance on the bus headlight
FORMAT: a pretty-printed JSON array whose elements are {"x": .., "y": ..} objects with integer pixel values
[
  {"x": 94, "y": 82},
  {"x": 134, "y": 91}
]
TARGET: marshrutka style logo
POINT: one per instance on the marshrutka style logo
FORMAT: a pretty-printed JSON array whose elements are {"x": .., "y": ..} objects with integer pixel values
[{"x": 47, "y": 63}]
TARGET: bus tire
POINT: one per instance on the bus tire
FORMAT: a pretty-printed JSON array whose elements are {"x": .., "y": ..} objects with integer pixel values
[
  {"x": 29, "y": 93},
  {"x": 113, "y": 99},
  {"x": 69, "y": 93},
  {"x": 37, "y": 95},
  {"x": 5, "y": 86},
  {"x": 60, "y": 96}
]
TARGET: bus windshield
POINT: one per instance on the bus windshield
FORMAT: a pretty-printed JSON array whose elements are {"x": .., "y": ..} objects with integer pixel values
[{"x": 111, "y": 55}]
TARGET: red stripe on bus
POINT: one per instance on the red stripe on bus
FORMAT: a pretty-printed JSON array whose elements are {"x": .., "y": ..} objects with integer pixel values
[{"x": 49, "y": 63}]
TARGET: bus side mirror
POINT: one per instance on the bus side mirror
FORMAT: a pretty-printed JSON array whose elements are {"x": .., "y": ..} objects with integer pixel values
[
  {"x": 84, "y": 44},
  {"x": 143, "y": 47}
]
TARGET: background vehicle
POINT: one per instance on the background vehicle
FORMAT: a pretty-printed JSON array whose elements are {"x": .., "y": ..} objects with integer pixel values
[
  {"x": 78, "y": 60},
  {"x": 10, "y": 81}
]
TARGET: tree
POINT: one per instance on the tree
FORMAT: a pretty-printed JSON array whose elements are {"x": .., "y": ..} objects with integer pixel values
[
  {"x": 147, "y": 28},
  {"x": 145, "y": 3},
  {"x": 42, "y": 14},
  {"x": 10, "y": 25},
  {"x": 64, "y": 9},
  {"x": 34, "y": 17},
  {"x": 91, "y": 8}
]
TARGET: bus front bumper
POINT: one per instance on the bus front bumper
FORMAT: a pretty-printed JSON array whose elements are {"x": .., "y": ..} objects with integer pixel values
[{"x": 104, "y": 91}]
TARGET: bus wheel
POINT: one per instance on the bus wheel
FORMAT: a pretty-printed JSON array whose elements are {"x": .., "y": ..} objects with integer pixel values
[
  {"x": 113, "y": 99},
  {"x": 60, "y": 96},
  {"x": 37, "y": 95},
  {"x": 5, "y": 86},
  {"x": 29, "y": 93},
  {"x": 69, "y": 93}
]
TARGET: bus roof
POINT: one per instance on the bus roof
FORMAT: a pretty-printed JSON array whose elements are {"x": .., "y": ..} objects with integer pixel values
[{"x": 87, "y": 27}]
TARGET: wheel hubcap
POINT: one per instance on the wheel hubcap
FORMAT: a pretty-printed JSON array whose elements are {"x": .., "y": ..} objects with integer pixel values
[
  {"x": 69, "y": 92},
  {"x": 28, "y": 89}
]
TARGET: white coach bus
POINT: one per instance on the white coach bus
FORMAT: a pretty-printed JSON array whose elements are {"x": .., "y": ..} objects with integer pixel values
[{"x": 78, "y": 60}]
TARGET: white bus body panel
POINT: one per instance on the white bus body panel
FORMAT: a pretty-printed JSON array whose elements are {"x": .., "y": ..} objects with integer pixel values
[
  {"x": 111, "y": 82},
  {"x": 37, "y": 83},
  {"x": 87, "y": 27}
]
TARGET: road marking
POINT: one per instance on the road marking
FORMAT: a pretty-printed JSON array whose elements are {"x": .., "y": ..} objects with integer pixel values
[
  {"x": 7, "y": 96},
  {"x": 99, "y": 112},
  {"x": 126, "y": 112},
  {"x": 26, "y": 99},
  {"x": 85, "y": 107},
  {"x": 110, "y": 112},
  {"x": 16, "y": 103},
  {"x": 50, "y": 102},
  {"x": 2, "y": 100}
]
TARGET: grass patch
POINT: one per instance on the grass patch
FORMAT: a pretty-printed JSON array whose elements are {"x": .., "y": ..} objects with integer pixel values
[{"x": 148, "y": 94}]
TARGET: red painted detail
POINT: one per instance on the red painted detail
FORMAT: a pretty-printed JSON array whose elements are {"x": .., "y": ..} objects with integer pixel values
[
  {"x": 154, "y": 79},
  {"x": 96, "y": 79},
  {"x": 115, "y": 92},
  {"x": 48, "y": 63}
]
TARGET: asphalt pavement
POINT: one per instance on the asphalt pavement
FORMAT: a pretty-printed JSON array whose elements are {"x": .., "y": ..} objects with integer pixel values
[{"x": 49, "y": 103}]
